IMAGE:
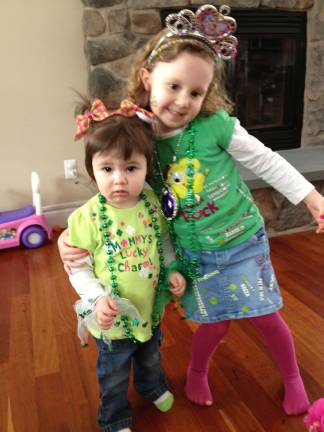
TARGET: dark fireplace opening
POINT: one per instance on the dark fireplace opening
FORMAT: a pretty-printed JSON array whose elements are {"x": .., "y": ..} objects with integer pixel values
[{"x": 266, "y": 80}]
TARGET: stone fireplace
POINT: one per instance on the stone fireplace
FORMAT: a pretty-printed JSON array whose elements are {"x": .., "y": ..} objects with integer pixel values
[{"x": 115, "y": 29}]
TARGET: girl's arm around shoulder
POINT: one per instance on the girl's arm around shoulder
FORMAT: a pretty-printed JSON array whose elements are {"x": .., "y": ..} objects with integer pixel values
[
  {"x": 74, "y": 242},
  {"x": 268, "y": 165},
  {"x": 71, "y": 256}
]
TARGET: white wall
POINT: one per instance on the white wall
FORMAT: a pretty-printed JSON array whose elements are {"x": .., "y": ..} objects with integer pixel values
[{"x": 42, "y": 60}]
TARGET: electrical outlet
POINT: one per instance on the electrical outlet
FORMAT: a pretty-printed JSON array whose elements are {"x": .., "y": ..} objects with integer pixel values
[{"x": 70, "y": 169}]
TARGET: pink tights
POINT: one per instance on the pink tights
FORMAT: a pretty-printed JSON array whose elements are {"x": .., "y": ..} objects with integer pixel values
[{"x": 280, "y": 343}]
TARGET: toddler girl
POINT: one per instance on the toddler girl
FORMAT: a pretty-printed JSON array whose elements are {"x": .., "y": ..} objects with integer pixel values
[{"x": 123, "y": 283}]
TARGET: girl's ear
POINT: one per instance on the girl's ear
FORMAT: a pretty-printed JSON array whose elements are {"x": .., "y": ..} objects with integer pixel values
[{"x": 145, "y": 76}]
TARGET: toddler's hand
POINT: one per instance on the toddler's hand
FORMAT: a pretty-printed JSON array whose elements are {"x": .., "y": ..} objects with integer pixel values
[
  {"x": 177, "y": 283},
  {"x": 315, "y": 203},
  {"x": 69, "y": 253},
  {"x": 106, "y": 312}
]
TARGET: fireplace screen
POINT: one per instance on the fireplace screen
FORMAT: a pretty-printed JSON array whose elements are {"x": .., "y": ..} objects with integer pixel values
[{"x": 266, "y": 80}]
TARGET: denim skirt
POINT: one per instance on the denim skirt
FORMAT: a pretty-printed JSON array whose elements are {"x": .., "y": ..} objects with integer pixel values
[{"x": 237, "y": 282}]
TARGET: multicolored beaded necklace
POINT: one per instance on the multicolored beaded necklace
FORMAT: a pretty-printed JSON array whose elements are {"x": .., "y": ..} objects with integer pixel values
[
  {"x": 191, "y": 266},
  {"x": 106, "y": 223}
]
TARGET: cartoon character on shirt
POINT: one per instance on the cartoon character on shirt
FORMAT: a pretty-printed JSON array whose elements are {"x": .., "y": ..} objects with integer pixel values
[{"x": 177, "y": 177}]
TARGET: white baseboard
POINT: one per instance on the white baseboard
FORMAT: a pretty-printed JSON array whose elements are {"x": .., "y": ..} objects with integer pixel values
[{"x": 58, "y": 214}]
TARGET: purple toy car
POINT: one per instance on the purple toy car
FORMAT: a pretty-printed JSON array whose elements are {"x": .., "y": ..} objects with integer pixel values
[{"x": 27, "y": 225}]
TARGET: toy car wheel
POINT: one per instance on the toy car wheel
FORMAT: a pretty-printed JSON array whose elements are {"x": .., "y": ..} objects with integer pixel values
[{"x": 33, "y": 237}]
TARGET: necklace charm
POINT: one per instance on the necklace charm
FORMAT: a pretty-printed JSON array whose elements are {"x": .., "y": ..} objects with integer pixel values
[
  {"x": 169, "y": 199},
  {"x": 169, "y": 203}
]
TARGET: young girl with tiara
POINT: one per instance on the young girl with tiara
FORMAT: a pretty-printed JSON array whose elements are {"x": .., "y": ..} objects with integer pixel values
[
  {"x": 128, "y": 279},
  {"x": 218, "y": 232}
]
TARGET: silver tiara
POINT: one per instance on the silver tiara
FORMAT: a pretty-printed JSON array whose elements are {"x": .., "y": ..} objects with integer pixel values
[{"x": 208, "y": 28}]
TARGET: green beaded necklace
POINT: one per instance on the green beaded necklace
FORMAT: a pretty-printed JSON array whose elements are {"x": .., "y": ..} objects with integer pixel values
[
  {"x": 106, "y": 222},
  {"x": 190, "y": 266}
]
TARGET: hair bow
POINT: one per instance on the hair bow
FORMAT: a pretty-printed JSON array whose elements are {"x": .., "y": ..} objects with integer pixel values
[{"x": 99, "y": 112}]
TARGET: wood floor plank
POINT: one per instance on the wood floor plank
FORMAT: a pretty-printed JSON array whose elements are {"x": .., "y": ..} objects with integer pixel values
[
  {"x": 4, "y": 398},
  {"x": 10, "y": 286},
  {"x": 304, "y": 323},
  {"x": 81, "y": 415},
  {"x": 5, "y": 308},
  {"x": 21, "y": 386},
  {"x": 10, "y": 426},
  {"x": 49, "y": 393},
  {"x": 42, "y": 288},
  {"x": 295, "y": 283}
]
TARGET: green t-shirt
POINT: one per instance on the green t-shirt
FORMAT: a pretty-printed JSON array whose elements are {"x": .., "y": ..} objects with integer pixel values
[
  {"x": 136, "y": 259},
  {"x": 224, "y": 212}
]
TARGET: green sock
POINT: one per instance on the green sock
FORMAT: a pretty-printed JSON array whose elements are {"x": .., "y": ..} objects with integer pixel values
[{"x": 164, "y": 402}]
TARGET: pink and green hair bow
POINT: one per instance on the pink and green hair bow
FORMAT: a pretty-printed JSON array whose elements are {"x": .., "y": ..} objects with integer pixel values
[{"x": 98, "y": 112}]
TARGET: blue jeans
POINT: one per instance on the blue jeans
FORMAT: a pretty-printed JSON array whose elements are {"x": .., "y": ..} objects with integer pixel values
[{"x": 113, "y": 373}]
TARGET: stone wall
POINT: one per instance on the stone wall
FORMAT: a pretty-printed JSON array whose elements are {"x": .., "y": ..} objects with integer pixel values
[{"x": 115, "y": 29}]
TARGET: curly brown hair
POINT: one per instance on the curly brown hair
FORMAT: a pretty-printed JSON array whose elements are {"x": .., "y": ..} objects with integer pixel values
[{"x": 216, "y": 97}]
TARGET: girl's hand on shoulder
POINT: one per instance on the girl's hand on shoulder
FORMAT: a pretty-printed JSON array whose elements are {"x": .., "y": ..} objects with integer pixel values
[
  {"x": 69, "y": 254},
  {"x": 106, "y": 312},
  {"x": 315, "y": 204},
  {"x": 177, "y": 284}
]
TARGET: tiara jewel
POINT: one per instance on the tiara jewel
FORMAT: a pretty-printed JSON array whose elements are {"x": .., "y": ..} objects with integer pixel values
[{"x": 210, "y": 28}]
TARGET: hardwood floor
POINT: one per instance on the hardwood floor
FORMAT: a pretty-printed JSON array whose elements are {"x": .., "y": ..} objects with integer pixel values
[{"x": 48, "y": 381}]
